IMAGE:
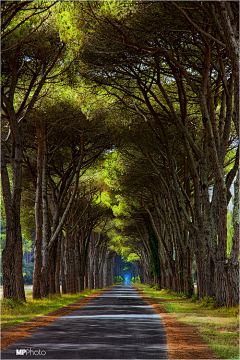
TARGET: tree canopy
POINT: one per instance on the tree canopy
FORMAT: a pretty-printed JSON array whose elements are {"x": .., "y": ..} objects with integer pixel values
[{"x": 121, "y": 135}]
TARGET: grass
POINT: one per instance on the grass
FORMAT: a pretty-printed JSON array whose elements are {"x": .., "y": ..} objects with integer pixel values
[
  {"x": 16, "y": 311},
  {"x": 219, "y": 327}
]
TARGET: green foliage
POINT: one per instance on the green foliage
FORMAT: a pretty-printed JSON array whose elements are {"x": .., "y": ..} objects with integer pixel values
[
  {"x": 132, "y": 257},
  {"x": 121, "y": 209},
  {"x": 10, "y": 304},
  {"x": 135, "y": 279},
  {"x": 28, "y": 272},
  {"x": 2, "y": 208},
  {"x": 208, "y": 302},
  {"x": 116, "y": 9},
  {"x": 118, "y": 228},
  {"x": 229, "y": 231},
  {"x": 117, "y": 280},
  {"x": 154, "y": 287},
  {"x": 26, "y": 245},
  {"x": 195, "y": 298},
  {"x": 3, "y": 234},
  {"x": 63, "y": 16},
  {"x": 229, "y": 160}
]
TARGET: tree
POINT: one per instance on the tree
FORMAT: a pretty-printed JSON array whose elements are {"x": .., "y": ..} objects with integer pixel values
[
  {"x": 145, "y": 65},
  {"x": 30, "y": 50}
]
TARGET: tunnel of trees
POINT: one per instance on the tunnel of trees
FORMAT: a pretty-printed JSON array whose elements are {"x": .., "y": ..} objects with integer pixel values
[{"x": 120, "y": 145}]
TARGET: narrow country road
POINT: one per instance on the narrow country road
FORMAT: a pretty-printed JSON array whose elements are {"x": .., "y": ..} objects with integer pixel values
[{"x": 117, "y": 324}]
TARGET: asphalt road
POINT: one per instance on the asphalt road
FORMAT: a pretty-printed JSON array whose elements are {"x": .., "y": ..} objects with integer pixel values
[{"x": 117, "y": 324}]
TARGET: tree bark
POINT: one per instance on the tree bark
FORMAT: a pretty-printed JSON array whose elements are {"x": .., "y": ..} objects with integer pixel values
[
  {"x": 38, "y": 220},
  {"x": 13, "y": 285},
  {"x": 96, "y": 269},
  {"x": 58, "y": 265},
  {"x": 62, "y": 265}
]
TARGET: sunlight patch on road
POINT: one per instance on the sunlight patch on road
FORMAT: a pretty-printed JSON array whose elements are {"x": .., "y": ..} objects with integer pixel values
[{"x": 123, "y": 316}]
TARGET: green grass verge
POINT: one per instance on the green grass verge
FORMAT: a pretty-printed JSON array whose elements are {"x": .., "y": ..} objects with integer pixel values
[
  {"x": 16, "y": 311},
  {"x": 219, "y": 327}
]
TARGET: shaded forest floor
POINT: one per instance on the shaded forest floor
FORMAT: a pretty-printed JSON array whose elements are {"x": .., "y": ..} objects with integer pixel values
[{"x": 195, "y": 330}]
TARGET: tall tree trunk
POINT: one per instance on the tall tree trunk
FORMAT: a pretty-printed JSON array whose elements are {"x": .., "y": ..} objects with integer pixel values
[
  {"x": 91, "y": 265},
  {"x": 200, "y": 273},
  {"x": 82, "y": 272},
  {"x": 45, "y": 288},
  {"x": 52, "y": 265},
  {"x": 13, "y": 285},
  {"x": 62, "y": 266},
  {"x": 38, "y": 222},
  {"x": 77, "y": 263},
  {"x": 48, "y": 273},
  {"x": 221, "y": 256},
  {"x": 96, "y": 269},
  {"x": 101, "y": 275},
  {"x": 73, "y": 271},
  {"x": 86, "y": 276},
  {"x": 104, "y": 271},
  {"x": 57, "y": 267},
  {"x": 190, "y": 285}
]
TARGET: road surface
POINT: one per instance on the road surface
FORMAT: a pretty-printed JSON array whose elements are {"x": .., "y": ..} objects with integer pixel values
[{"x": 118, "y": 324}]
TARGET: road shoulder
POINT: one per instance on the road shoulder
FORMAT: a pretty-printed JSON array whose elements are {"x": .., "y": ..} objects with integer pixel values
[{"x": 182, "y": 339}]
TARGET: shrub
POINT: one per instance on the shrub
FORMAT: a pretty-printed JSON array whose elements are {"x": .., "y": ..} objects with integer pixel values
[
  {"x": 183, "y": 295},
  {"x": 208, "y": 302},
  {"x": 194, "y": 298},
  {"x": 117, "y": 279},
  {"x": 8, "y": 305}
]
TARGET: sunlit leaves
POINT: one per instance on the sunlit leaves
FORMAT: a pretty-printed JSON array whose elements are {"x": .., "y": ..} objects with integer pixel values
[{"x": 64, "y": 17}]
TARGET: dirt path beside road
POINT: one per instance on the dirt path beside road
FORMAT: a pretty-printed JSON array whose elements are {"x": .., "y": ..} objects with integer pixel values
[{"x": 182, "y": 339}]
